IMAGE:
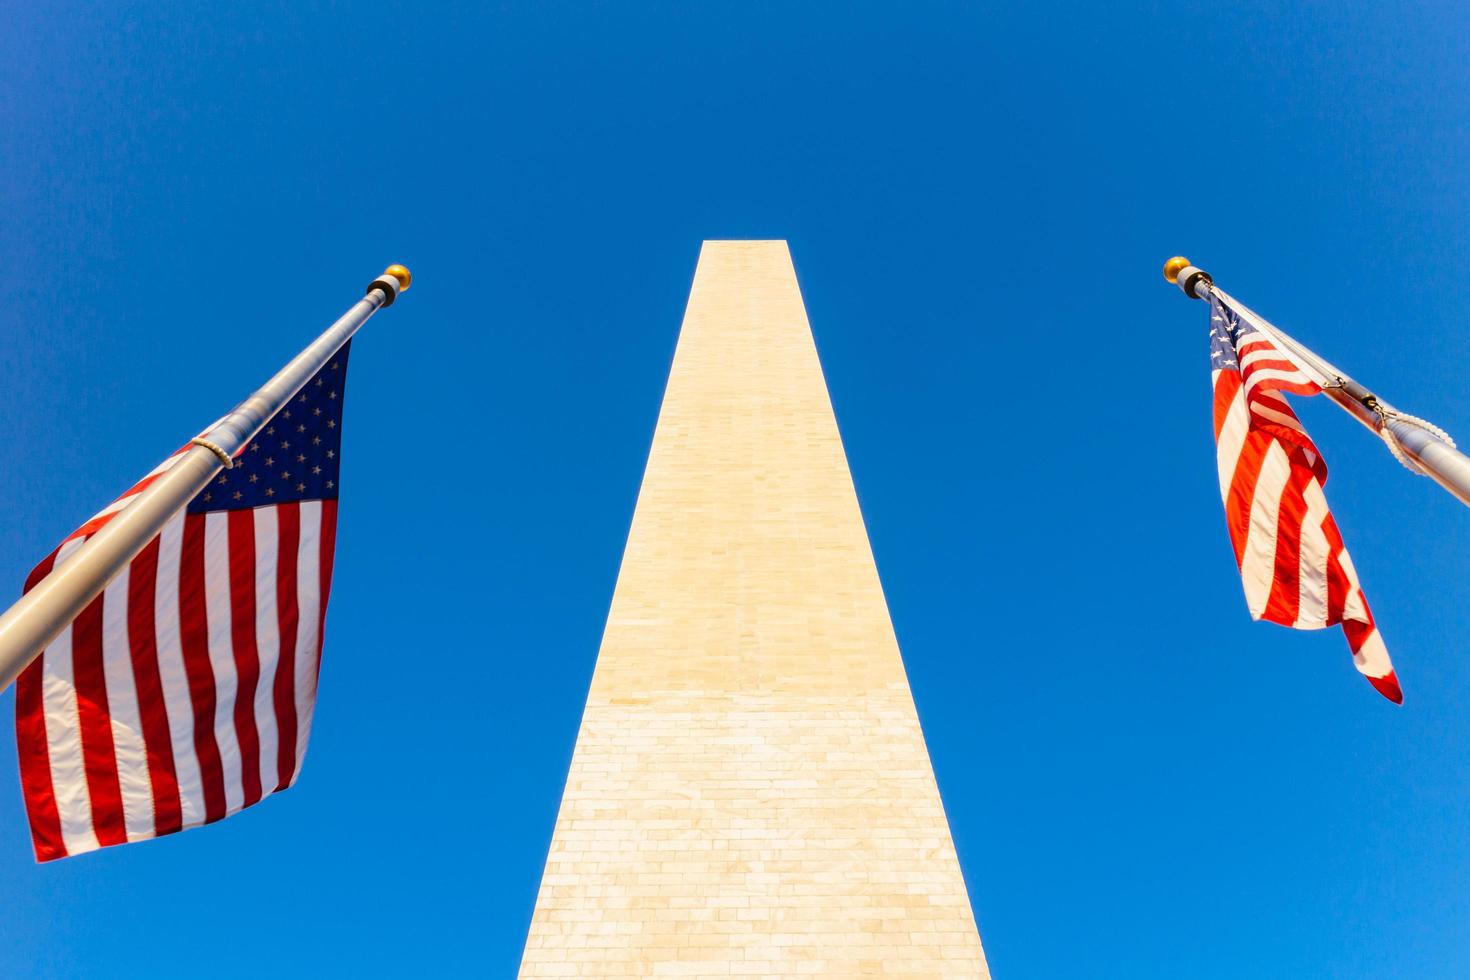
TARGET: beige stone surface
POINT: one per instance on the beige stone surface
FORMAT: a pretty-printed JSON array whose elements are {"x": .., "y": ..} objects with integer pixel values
[{"x": 750, "y": 794}]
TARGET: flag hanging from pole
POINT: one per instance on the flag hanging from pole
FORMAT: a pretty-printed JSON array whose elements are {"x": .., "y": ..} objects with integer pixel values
[
  {"x": 1293, "y": 564},
  {"x": 184, "y": 692}
]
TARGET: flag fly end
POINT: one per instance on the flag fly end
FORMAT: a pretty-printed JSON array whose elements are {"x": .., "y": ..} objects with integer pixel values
[{"x": 1388, "y": 686}]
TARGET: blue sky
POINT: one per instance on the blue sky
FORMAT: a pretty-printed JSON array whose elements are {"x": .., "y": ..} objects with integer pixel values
[{"x": 1141, "y": 782}]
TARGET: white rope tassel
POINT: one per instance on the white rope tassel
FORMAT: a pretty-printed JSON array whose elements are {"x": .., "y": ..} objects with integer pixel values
[{"x": 1393, "y": 442}]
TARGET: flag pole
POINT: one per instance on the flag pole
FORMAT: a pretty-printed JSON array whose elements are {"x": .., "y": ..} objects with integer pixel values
[
  {"x": 43, "y": 612},
  {"x": 1420, "y": 446}
]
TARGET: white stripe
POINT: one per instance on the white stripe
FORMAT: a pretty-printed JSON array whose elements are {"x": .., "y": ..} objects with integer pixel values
[
  {"x": 1232, "y": 437},
  {"x": 64, "y": 736},
  {"x": 177, "y": 701},
  {"x": 1354, "y": 606},
  {"x": 1271, "y": 353},
  {"x": 1248, "y": 358},
  {"x": 127, "y": 498},
  {"x": 1258, "y": 560},
  {"x": 1271, "y": 415},
  {"x": 267, "y": 642},
  {"x": 308, "y": 597},
  {"x": 1312, "y": 581},
  {"x": 1372, "y": 657},
  {"x": 114, "y": 507},
  {"x": 1260, "y": 376},
  {"x": 222, "y": 652},
  {"x": 168, "y": 463},
  {"x": 1253, "y": 338},
  {"x": 1274, "y": 398},
  {"x": 122, "y": 705}
]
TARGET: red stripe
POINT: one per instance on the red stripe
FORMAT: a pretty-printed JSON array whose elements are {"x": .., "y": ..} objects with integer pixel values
[
  {"x": 288, "y": 518},
  {"x": 1388, "y": 686},
  {"x": 159, "y": 471},
  {"x": 194, "y": 641},
  {"x": 1254, "y": 354},
  {"x": 1300, "y": 385},
  {"x": 1265, "y": 364},
  {"x": 1358, "y": 633},
  {"x": 242, "y": 641},
  {"x": 1268, "y": 399},
  {"x": 41, "y": 570},
  {"x": 143, "y": 645},
  {"x": 142, "y": 484},
  {"x": 1226, "y": 387},
  {"x": 94, "y": 721},
  {"x": 1276, "y": 384},
  {"x": 1248, "y": 346},
  {"x": 1245, "y": 347},
  {"x": 1285, "y": 599},
  {"x": 329, "y": 549},
  {"x": 95, "y": 523},
  {"x": 1317, "y": 465},
  {"x": 35, "y": 766},
  {"x": 327, "y": 542},
  {"x": 1266, "y": 356},
  {"x": 33, "y": 753},
  {"x": 1267, "y": 395},
  {"x": 1338, "y": 583},
  {"x": 1243, "y": 489}
]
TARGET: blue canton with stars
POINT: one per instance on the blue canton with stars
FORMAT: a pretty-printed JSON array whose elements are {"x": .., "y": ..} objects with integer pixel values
[
  {"x": 297, "y": 456},
  {"x": 1224, "y": 333}
]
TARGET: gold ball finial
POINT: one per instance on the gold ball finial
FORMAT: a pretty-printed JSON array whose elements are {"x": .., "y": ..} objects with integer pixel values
[
  {"x": 401, "y": 273},
  {"x": 1174, "y": 266}
]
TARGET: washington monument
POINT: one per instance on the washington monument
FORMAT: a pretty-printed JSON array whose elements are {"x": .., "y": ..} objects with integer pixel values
[{"x": 750, "y": 793}]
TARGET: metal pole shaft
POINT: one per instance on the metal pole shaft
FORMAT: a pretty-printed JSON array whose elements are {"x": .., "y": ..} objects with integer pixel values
[
  {"x": 43, "y": 612},
  {"x": 1438, "y": 460},
  {"x": 1443, "y": 464}
]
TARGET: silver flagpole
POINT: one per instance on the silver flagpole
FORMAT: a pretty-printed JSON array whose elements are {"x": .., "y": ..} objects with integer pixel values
[
  {"x": 1417, "y": 444},
  {"x": 34, "y": 621}
]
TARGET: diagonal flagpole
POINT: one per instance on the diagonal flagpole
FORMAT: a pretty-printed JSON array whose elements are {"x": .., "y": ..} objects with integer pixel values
[
  {"x": 1417, "y": 444},
  {"x": 42, "y": 613}
]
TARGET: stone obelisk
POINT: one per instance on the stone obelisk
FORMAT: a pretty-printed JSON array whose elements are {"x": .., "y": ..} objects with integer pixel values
[{"x": 750, "y": 793}]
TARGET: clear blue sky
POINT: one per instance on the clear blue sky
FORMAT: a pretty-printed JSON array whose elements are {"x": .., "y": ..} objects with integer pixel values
[{"x": 1141, "y": 782}]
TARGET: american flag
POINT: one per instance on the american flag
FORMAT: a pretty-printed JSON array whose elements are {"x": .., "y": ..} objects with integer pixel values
[
  {"x": 184, "y": 693},
  {"x": 1292, "y": 561}
]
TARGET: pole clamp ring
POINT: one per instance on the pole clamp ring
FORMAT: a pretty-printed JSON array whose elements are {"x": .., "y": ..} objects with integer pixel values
[
  {"x": 388, "y": 286},
  {"x": 1193, "y": 278},
  {"x": 224, "y": 457}
]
